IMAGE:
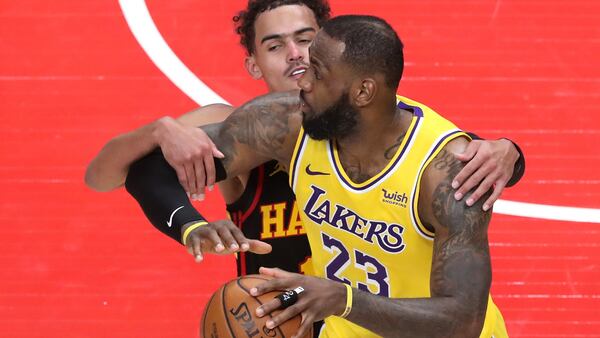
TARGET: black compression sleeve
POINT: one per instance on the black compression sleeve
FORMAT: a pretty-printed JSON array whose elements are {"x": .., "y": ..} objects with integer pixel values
[
  {"x": 519, "y": 170},
  {"x": 154, "y": 184}
]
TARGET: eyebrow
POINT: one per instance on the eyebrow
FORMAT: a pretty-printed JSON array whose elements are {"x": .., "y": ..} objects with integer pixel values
[{"x": 279, "y": 36}]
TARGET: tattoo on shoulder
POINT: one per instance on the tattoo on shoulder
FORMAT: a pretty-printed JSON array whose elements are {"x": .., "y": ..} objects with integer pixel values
[
  {"x": 447, "y": 210},
  {"x": 262, "y": 124}
]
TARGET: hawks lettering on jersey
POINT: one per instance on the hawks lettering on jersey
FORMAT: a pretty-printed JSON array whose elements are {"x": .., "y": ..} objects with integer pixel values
[
  {"x": 274, "y": 224},
  {"x": 267, "y": 211}
]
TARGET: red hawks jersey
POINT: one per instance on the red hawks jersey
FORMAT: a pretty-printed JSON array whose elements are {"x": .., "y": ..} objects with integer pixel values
[{"x": 267, "y": 211}]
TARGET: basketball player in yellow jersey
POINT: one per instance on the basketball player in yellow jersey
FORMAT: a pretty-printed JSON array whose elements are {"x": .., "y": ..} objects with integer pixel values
[
  {"x": 397, "y": 255},
  {"x": 373, "y": 230}
]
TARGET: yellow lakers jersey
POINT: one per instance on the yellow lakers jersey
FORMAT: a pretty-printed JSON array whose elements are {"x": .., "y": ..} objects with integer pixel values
[{"x": 369, "y": 234}]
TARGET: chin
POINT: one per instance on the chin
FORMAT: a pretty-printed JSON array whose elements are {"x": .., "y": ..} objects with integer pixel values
[
  {"x": 288, "y": 85},
  {"x": 314, "y": 129}
]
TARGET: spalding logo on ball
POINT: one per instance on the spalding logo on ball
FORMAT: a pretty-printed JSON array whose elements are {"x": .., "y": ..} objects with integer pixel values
[{"x": 231, "y": 312}]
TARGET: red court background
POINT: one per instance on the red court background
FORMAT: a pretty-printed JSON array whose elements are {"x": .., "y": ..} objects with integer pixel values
[{"x": 75, "y": 263}]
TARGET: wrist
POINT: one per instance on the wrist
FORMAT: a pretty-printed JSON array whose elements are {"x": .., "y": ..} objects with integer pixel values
[
  {"x": 510, "y": 143},
  {"x": 344, "y": 300},
  {"x": 159, "y": 128},
  {"x": 187, "y": 229}
]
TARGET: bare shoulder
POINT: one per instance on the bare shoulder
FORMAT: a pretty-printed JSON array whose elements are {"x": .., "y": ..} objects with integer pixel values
[
  {"x": 260, "y": 130},
  {"x": 437, "y": 204},
  {"x": 268, "y": 124},
  {"x": 213, "y": 113},
  {"x": 283, "y": 107},
  {"x": 445, "y": 165}
]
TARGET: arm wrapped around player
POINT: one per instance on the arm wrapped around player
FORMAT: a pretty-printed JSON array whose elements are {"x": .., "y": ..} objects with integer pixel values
[{"x": 154, "y": 184}]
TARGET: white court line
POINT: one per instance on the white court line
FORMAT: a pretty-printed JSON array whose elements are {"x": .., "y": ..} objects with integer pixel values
[
  {"x": 542, "y": 211},
  {"x": 146, "y": 33}
]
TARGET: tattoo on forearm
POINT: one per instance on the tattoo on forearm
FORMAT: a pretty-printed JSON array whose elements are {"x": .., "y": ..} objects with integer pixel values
[{"x": 461, "y": 264}]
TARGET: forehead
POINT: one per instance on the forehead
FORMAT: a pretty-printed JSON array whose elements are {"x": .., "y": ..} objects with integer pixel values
[
  {"x": 283, "y": 20},
  {"x": 326, "y": 50}
]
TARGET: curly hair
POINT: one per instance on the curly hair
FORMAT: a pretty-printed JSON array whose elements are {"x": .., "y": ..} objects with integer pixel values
[{"x": 244, "y": 20}]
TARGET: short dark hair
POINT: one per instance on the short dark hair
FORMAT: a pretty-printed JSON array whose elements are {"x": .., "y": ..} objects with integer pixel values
[
  {"x": 244, "y": 20},
  {"x": 372, "y": 45}
]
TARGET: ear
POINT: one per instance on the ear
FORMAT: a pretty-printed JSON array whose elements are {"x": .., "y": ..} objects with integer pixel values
[
  {"x": 252, "y": 68},
  {"x": 365, "y": 91}
]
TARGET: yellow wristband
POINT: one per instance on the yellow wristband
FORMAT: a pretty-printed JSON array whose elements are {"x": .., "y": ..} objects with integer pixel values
[
  {"x": 190, "y": 229},
  {"x": 348, "y": 301}
]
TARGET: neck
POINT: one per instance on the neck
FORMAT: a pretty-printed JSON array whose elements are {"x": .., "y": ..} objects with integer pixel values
[{"x": 378, "y": 135}]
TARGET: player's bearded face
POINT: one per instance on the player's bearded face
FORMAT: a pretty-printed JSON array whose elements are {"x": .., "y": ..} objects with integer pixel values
[{"x": 337, "y": 121}]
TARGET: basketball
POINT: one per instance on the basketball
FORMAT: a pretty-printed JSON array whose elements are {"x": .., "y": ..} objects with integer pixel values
[{"x": 231, "y": 312}]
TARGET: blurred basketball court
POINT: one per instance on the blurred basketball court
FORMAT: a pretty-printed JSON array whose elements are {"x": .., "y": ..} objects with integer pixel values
[{"x": 75, "y": 263}]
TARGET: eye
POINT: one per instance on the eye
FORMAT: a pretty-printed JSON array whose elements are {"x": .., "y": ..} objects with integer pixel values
[
  {"x": 305, "y": 41},
  {"x": 273, "y": 48}
]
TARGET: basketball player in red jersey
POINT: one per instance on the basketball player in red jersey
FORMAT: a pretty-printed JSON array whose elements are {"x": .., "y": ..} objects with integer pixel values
[{"x": 276, "y": 36}]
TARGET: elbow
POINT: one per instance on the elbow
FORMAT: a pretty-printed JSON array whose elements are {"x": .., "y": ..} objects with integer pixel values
[
  {"x": 472, "y": 325},
  {"x": 93, "y": 180},
  {"x": 468, "y": 320},
  {"x": 90, "y": 178}
]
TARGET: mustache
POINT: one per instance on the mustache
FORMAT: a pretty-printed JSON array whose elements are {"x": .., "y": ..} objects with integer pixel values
[{"x": 293, "y": 66}]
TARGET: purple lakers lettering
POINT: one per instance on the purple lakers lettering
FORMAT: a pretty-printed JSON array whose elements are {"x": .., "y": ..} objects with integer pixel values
[{"x": 387, "y": 235}]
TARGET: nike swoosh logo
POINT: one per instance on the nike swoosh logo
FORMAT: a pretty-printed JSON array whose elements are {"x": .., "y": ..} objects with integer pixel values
[
  {"x": 173, "y": 214},
  {"x": 315, "y": 173}
]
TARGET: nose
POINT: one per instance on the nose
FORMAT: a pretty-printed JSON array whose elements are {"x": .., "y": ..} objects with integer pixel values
[{"x": 294, "y": 52}]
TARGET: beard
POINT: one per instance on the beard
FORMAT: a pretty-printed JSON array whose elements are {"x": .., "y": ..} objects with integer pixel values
[{"x": 337, "y": 121}]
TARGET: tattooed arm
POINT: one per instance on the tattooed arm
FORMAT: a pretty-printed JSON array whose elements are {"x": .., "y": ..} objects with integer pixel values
[
  {"x": 263, "y": 129},
  {"x": 461, "y": 270}
]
